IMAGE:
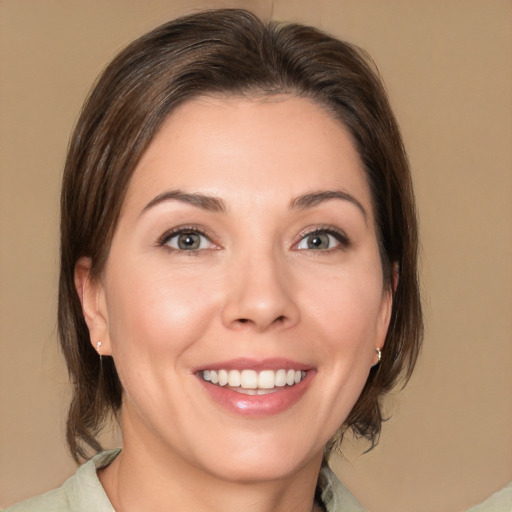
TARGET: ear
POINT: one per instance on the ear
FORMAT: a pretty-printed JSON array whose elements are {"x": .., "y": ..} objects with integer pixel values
[
  {"x": 383, "y": 321},
  {"x": 396, "y": 275},
  {"x": 94, "y": 307}
]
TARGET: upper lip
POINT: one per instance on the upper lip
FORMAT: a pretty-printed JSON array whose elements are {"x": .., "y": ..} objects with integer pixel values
[{"x": 254, "y": 364}]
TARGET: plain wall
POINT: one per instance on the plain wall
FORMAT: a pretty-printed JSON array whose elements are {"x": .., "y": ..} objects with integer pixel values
[{"x": 447, "y": 67}]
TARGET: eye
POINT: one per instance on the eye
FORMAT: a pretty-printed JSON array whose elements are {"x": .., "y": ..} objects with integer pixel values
[
  {"x": 322, "y": 240},
  {"x": 187, "y": 240}
]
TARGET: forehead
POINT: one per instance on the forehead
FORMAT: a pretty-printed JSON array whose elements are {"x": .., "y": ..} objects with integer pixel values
[{"x": 279, "y": 145}]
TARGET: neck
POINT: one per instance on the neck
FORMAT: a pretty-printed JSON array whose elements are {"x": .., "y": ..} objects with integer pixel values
[{"x": 147, "y": 477}]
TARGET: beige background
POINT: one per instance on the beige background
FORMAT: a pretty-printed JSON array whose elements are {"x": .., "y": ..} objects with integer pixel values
[{"x": 447, "y": 66}]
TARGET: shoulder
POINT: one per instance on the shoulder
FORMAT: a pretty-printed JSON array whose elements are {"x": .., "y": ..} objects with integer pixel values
[
  {"x": 80, "y": 493},
  {"x": 53, "y": 501},
  {"x": 499, "y": 501}
]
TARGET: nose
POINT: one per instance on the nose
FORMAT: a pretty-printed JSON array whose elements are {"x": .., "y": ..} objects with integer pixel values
[{"x": 260, "y": 295}]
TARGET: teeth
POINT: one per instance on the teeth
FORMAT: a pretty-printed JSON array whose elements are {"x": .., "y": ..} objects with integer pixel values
[
  {"x": 266, "y": 379},
  {"x": 234, "y": 379},
  {"x": 252, "y": 382},
  {"x": 248, "y": 379},
  {"x": 280, "y": 379},
  {"x": 223, "y": 377}
]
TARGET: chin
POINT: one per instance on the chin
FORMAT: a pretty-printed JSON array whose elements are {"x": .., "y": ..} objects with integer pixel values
[
  {"x": 255, "y": 459},
  {"x": 260, "y": 469}
]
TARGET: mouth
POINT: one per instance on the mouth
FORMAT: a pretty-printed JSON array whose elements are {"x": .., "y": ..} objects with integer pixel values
[{"x": 252, "y": 382}]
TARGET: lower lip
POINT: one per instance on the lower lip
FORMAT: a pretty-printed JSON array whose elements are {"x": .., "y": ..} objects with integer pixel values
[{"x": 258, "y": 405}]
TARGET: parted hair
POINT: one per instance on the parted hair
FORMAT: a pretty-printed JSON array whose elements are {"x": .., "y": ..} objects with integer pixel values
[{"x": 227, "y": 52}]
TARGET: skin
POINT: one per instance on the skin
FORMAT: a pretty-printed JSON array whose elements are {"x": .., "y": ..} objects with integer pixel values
[{"x": 254, "y": 289}]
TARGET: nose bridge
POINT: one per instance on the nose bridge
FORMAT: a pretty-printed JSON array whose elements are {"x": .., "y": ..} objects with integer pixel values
[{"x": 260, "y": 291}]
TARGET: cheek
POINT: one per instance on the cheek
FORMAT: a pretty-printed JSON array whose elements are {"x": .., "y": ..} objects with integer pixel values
[
  {"x": 156, "y": 314},
  {"x": 346, "y": 318},
  {"x": 348, "y": 308},
  {"x": 154, "y": 319}
]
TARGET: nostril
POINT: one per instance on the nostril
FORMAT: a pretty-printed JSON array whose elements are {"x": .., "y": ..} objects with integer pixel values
[{"x": 278, "y": 320}]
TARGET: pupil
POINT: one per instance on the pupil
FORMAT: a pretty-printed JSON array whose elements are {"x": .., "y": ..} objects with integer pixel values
[{"x": 188, "y": 241}]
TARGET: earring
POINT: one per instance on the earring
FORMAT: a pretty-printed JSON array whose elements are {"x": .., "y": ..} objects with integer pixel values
[
  {"x": 379, "y": 354},
  {"x": 98, "y": 347}
]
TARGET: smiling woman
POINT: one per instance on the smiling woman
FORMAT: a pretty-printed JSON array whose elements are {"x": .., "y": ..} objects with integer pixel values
[{"x": 238, "y": 269}]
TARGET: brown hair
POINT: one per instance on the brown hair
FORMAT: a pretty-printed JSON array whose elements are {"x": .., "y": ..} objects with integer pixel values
[{"x": 227, "y": 52}]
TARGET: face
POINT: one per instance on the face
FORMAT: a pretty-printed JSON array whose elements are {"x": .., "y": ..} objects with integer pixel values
[{"x": 243, "y": 298}]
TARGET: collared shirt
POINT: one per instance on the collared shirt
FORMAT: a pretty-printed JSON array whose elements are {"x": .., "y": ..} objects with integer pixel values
[{"x": 83, "y": 492}]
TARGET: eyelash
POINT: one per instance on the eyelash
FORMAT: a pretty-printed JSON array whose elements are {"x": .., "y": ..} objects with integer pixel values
[
  {"x": 340, "y": 236},
  {"x": 164, "y": 240}
]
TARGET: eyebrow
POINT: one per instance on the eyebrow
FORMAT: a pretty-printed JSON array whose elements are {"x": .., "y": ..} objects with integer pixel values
[
  {"x": 314, "y": 198},
  {"x": 215, "y": 204},
  {"x": 205, "y": 202}
]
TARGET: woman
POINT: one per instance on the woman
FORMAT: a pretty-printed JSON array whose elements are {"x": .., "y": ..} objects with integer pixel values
[{"x": 238, "y": 269}]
